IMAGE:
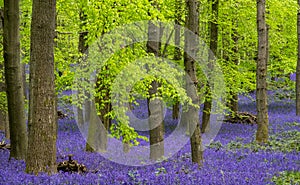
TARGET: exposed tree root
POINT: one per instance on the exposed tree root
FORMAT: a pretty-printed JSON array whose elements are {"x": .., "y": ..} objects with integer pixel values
[
  {"x": 71, "y": 166},
  {"x": 241, "y": 117}
]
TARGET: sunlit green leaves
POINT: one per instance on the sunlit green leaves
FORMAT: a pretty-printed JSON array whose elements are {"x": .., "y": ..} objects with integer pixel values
[
  {"x": 287, "y": 178},
  {"x": 282, "y": 20}
]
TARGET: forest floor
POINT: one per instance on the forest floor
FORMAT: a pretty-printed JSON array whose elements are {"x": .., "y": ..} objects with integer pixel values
[{"x": 232, "y": 158}]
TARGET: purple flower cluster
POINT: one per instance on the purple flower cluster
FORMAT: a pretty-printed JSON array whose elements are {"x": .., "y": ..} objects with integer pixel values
[
  {"x": 293, "y": 76},
  {"x": 221, "y": 166}
]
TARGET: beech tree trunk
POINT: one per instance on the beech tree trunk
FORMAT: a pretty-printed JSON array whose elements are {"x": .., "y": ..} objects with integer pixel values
[
  {"x": 89, "y": 114},
  {"x": 298, "y": 66},
  {"x": 4, "y": 124},
  {"x": 261, "y": 74},
  {"x": 191, "y": 46},
  {"x": 233, "y": 99},
  {"x": 13, "y": 78},
  {"x": 98, "y": 136},
  {"x": 106, "y": 107},
  {"x": 213, "y": 47},
  {"x": 23, "y": 67},
  {"x": 155, "y": 108},
  {"x": 42, "y": 124},
  {"x": 177, "y": 52},
  {"x": 95, "y": 133},
  {"x": 83, "y": 50}
]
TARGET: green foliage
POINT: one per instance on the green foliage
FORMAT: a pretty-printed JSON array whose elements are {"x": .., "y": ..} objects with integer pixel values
[
  {"x": 64, "y": 82},
  {"x": 216, "y": 145},
  {"x": 237, "y": 20},
  {"x": 25, "y": 22},
  {"x": 282, "y": 19},
  {"x": 160, "y": 170},
  {"x": 66, "y": 43},
  {"x": 287, "y": 178},
  {"x": 133, "y": 174},
  {"x": 127, "y": 133},
  {"x": 124, "y": 75},
  {"x": 127, "y": 80},
  {"x": 236, "y": 58},
  {"x": 283, "y": 50},
  {"x": 3, "y": 101},
  {"x": 292, "y": 124},
  {"x": 239, "y": 78},
  {"x": 233, "y": 145},
  {"x": 286, "y": 141}
]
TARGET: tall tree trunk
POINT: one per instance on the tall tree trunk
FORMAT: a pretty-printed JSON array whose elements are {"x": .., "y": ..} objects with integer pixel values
[
  {"x": 89, "y": 114},
  {"x": 233, "y": 97},
  {"x": 13, "y": 77},
  {"x": 177, "y": 52},
  {"x": 105, "y": 108},
  {"x": 155, "y": 110},
  {"x": 298, "y": 66},
  {"x": 261, "y": 74},
  {"x": 190, "y": 46},
  {"x": 4, "y": 124},
  {"x": 106, "y": 120},
  {"x": 83, "y": 50},
  {"x": 42, "y": 124},
  {"x": 213, "y": 47},
  {"x": 96, "y": 133},
  {"x": 23, "y": 66},
  {"x": 176, "y": 109}
]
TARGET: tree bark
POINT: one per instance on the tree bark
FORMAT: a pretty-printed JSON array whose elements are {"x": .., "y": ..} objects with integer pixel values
[
  {"x": 42, "y": 124},
  {"x": 97, "y": 135},
  {"x": 175, "y": 111},
  {"x": 23, "y": 66},
  {"x": 298, "y": 66},
  {"x": 177, "y": 52},
  {"x": 4, "y": 124},
  {"x": 156, "y": 122},
  {"x": 105, "y": 108},
  {"x": 233, "y": 99},
  {"x": 213, "y": 47},
  {"x": 13, "y": 78},
  {"x": 233, "y": 102},
  {"x": 191, "y": 46},
  {"x": 89, "y": 114},
  {"x": 261, "y": 74}
]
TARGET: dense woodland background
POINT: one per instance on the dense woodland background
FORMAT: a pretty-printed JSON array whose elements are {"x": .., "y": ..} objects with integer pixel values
[{"x": 48, "y": 44}]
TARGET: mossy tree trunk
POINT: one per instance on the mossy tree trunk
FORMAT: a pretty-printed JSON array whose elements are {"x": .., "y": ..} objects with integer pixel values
[
  {"x": 4, "y": 124},
  {"x": 261, "y": 74},
  {"x": 83, "y": 50},
  {"x": 213, "y": 47},
  {"x": 155, "y": 108},
  {"x": 13, "y": 79},
  {"x": 42, "y": 124},
  {"x": 95, "y": 132},
  {"x": 177, "y": 52},
  {"x": 191, "y": 44},
  {"x": 232, "y": 102},
  {"x": 103, "y": 101}
]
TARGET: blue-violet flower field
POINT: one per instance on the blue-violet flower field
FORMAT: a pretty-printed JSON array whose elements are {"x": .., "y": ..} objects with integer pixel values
[{"x": 232, "y": 158}]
